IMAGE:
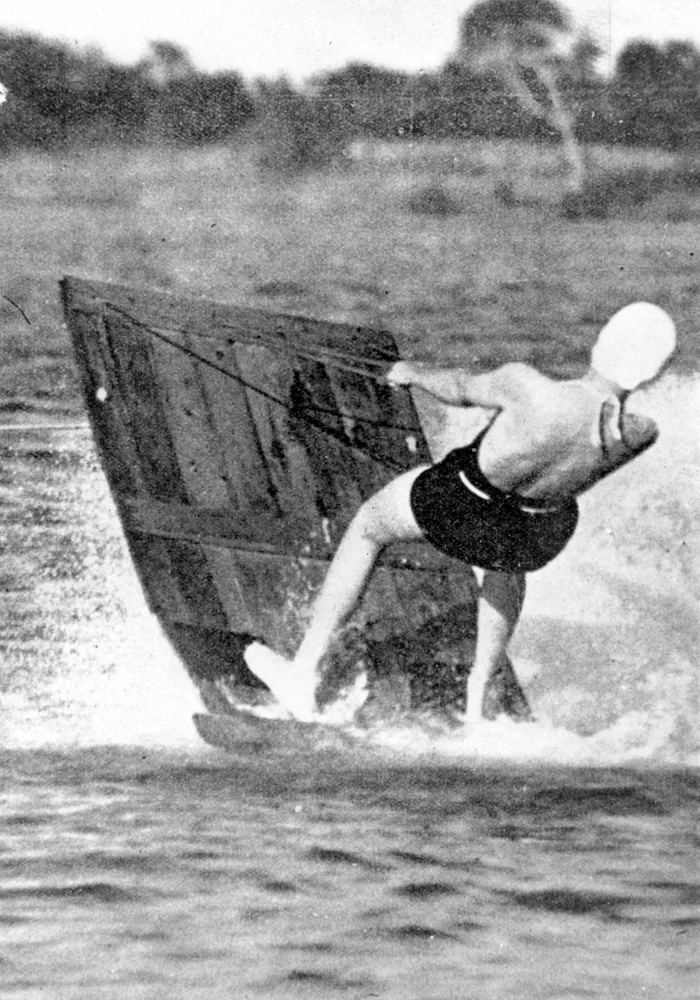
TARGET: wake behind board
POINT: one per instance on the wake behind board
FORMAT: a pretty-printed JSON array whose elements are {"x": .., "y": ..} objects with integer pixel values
[{"x": 241, "y": 731}]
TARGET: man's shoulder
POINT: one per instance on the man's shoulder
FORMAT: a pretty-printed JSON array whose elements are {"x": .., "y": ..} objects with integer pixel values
[{"x": 517, "y": 377}]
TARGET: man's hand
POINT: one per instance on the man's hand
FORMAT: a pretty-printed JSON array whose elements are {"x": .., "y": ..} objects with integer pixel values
[{"x": 400, "y": 373}]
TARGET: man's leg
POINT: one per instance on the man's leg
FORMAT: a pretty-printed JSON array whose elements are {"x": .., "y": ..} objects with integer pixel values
[
  {"x": 500, "y": 603},
  {"x": 384, "y": 518}
]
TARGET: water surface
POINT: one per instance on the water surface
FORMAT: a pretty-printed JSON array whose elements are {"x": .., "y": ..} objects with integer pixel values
[{"x": 552, "y": 861}]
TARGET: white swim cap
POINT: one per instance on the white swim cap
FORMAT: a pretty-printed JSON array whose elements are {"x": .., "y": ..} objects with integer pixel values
[{"x": 634, "y": 345}]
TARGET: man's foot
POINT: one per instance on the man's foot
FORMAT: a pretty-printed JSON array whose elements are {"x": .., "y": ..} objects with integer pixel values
[{"x": 293, "y": 686}]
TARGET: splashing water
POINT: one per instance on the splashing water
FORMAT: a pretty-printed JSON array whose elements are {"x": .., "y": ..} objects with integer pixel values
[
  {"x": 608, "y": 641},
  {"x": 83, "y": 661},
  {"x": 606, "y": 646}
]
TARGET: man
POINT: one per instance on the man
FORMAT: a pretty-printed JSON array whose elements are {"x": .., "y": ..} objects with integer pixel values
[{"x": 505, "y": 503}]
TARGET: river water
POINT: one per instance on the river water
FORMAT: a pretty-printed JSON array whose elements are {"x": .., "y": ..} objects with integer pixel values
[{"x": 550, "y": 860}]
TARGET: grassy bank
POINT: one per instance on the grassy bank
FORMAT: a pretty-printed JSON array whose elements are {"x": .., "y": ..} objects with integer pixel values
[{"x": 462, "y": 250}]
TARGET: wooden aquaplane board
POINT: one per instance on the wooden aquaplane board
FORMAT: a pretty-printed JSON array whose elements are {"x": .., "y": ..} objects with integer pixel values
[{"x": 238, "y": 445}]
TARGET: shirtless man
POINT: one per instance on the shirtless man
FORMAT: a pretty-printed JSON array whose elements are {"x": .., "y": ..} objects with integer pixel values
[{"x": 505, "y": 503}]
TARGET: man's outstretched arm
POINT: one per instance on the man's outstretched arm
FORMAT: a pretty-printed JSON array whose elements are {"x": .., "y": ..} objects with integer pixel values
[{"x": 458, "y": 387}]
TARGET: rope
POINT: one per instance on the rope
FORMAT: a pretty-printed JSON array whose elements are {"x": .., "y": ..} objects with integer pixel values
[
  {"x": 162, "y": 335},
  {"x": 330, "y": 357},
  {"x": 338, "y": 359}
]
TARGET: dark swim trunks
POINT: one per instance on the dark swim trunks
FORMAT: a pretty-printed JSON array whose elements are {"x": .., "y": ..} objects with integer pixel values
[{"x": 463, "y": 515}]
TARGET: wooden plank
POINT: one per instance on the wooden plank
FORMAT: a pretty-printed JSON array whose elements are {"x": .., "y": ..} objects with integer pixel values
[
  {"x": 209, "y": 403},
  {"x": 141, "y": 408},
  {"x": 232, "y": 423},
  {"x": 267, "y": 585},
  {"x": 221, "y": 320},
  {"x": 190, "y": 568},
  {"x": 318, "y": 426},
  {"x": 110, "y": 429},
  {"x": 214, "y": 659},
  {"x": 163, "y": 594},
  {"x": 320, "y": 338},
  {"x": 357, "y": 395},
  {"x": 200, "y": 524},
  {"x": 175, "y": 576},
  {"x": 185, "y": 408},
  {"x": 269, "y": 373},
  {"x": 224, "y": 568}
]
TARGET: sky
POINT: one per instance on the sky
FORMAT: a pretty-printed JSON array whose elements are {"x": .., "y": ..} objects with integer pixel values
[{"x": 297, "y": 38}]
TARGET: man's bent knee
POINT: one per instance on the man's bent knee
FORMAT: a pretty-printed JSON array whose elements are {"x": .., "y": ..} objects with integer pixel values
[
  {"x": 387, "y": 516},
  {"x": 370, "y": 524}
]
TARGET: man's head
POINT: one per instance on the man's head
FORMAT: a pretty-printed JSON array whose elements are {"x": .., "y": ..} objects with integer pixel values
[{"x": 634, "y": 345}]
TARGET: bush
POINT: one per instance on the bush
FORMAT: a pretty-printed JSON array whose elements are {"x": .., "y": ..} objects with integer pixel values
[{"x": 433, "y": 199}]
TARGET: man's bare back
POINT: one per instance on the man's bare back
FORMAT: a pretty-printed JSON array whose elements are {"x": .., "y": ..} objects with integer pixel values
[{"x": 549, "y": 440}]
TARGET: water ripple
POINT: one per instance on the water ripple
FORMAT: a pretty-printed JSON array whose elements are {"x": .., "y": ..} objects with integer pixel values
[
  {"x": 425, "y": 890},
  {"x": 102, "y": 892},
  {"x": 604, "y": 905}
]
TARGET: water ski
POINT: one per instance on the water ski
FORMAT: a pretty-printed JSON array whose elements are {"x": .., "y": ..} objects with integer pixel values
[{"x": 242, "y": 730}]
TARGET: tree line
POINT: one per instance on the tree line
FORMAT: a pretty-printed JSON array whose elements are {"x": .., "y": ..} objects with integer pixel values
[{"x": 58, "y": 95}]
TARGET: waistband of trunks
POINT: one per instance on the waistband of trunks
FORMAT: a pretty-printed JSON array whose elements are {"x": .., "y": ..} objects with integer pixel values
[{"x": 493, "y": 495}]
